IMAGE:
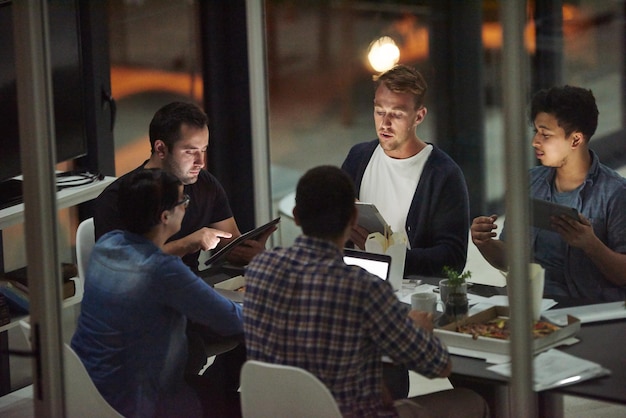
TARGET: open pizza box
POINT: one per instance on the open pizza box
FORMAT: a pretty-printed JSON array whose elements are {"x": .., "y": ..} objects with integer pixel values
[
  {"x": 232, "y": 289},
  {"x": 234, "y": 283},
  {"x": 452, "y": 338}
]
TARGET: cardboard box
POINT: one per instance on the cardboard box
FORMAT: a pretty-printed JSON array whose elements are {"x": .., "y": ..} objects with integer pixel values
[
  {"x": 450, "y": 337},
  {"x": 229, "y": 288},
  {"x": 233, "y": 283}
]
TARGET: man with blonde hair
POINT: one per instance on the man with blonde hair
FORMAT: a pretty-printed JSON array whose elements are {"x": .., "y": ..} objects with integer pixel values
[{"x": 415, "y": 185}]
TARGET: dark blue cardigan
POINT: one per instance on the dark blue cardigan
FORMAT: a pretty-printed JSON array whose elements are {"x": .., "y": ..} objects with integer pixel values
[{"x": 438, "y": 221}]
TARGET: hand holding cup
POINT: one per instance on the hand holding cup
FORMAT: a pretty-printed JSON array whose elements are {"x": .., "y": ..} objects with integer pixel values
[{"x": 425, "y": 302}]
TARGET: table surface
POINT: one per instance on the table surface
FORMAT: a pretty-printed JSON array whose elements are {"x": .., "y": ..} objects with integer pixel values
[
  {"x": 600, "y": 342},
  {"x": 595, "y": 341}
]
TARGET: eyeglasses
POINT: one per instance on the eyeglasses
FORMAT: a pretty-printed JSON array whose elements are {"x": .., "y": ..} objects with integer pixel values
[{"x": 184, "y": 202}]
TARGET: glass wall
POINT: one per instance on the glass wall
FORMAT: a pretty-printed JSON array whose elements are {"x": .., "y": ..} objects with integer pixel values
[
  {"x": 320, "y": 80},
  {"x": 155, "y": 59}
]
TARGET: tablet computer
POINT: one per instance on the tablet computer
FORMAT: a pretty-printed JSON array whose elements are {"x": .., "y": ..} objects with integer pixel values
[
  {"x": 220, "y": 254},
  {"x": 370, "y": 219},
  {"x": 542, "y": 210}
]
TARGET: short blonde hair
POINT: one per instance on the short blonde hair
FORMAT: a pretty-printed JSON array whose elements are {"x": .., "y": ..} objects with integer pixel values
[{"x": 404, "y": 79}]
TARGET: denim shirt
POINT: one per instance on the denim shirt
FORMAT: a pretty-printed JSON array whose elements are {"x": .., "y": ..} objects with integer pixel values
[
  {"x": 602, "y": 200},
  {"x": 130, "y": 333}
]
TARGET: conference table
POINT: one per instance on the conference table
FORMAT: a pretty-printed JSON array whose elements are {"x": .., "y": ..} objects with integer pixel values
[{"x": 599, "y": 342}]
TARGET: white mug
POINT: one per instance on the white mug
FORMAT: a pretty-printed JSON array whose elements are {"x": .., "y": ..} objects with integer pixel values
[{"x": 425, "y": 302}]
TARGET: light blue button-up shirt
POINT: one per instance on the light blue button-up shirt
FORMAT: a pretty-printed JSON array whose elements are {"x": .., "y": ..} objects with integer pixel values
[{"x": 602, "y": 200}]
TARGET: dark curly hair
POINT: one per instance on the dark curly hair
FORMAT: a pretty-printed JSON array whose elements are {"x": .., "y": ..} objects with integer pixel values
[
  {"x": 324, "y": 201},
  {"x": 574, "y": 108}
]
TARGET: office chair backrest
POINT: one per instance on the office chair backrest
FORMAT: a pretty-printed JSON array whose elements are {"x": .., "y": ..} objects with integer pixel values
[
  {"x": 82, "y": 398},
  {"x": 277, "y": 391},
  {"x": 85, "y": 240}
]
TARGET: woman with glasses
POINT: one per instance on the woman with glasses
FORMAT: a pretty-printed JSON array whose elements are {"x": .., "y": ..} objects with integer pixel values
[{"x": 131, "y": 331}]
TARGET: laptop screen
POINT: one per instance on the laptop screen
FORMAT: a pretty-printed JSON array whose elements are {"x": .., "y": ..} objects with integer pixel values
[{"x": 377, "y": 264}]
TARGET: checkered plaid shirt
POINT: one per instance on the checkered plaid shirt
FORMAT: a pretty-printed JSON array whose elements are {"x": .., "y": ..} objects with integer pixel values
[{"x": 305, "y": 307}]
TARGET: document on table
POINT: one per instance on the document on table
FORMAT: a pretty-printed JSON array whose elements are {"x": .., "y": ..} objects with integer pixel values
[
  {"x": 555, "y": 368},
  {"x": 503, "y": 300},
  {"x": 588, "y": 313}
]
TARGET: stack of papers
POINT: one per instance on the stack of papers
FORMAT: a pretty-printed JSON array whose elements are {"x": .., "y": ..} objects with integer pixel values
[
  {"x": 555, "y": 368},
  {"x": 588, "y": 313},
  {"x": 503, "y": 300}
]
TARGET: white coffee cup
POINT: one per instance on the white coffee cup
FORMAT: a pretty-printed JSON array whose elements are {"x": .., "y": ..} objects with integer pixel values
[
  {"x": 425, "y": 302},
  {"x": 536, "y": 274}
]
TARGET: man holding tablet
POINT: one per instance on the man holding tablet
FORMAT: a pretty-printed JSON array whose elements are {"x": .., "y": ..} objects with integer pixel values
[
  {"x": 179, "y": 139},
  {"x": 583, "y": 258},
  {"x": 414, "y": 184}
]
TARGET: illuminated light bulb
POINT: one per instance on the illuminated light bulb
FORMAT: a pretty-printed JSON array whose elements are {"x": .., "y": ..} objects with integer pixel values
[{"x": 383, "y": 54}]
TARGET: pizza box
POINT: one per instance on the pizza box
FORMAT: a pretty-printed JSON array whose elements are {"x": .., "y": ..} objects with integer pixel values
[
  {"x": 450, "y": 337},
  {"x": 233, "y": 283},
  {"x": 232, "y": 288}
]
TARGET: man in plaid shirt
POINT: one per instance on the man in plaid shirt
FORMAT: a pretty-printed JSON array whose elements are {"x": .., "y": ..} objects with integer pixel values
[{"x": 305, "y": 307}]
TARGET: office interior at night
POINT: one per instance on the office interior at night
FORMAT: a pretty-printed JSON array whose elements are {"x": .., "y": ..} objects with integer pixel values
[{"x": 287, "y": 86}]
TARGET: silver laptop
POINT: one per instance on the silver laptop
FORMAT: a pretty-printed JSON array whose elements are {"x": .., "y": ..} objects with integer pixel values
[{"x": 377, "y": 264}]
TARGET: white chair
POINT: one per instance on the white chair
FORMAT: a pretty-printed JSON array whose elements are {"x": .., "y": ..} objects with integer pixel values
[
  {"x": 277, "y": 391},
  {"x": 82, "y": 398},
  {"x": 85, "y": 240}
]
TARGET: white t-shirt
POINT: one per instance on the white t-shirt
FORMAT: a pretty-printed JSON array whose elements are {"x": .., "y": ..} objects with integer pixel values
[{"x": 390, "y": 183}]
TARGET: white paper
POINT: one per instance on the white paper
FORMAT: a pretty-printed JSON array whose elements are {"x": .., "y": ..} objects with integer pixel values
[
  {"x": 555, "y": 368},
  {"x": 503, "y": 300},
  {"x": 588, "y": 313}
]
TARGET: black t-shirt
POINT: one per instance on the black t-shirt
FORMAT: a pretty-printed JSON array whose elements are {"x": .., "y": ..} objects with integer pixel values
[{"x": 208, "y": 205}]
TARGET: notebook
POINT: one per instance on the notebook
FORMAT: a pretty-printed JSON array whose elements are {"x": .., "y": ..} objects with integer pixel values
[{"x": 377, "y": 264}]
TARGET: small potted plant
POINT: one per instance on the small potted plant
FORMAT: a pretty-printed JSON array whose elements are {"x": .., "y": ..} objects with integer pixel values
[
  {"x": 455, "y": 281},
  {"x": 453, "y": 292}
]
